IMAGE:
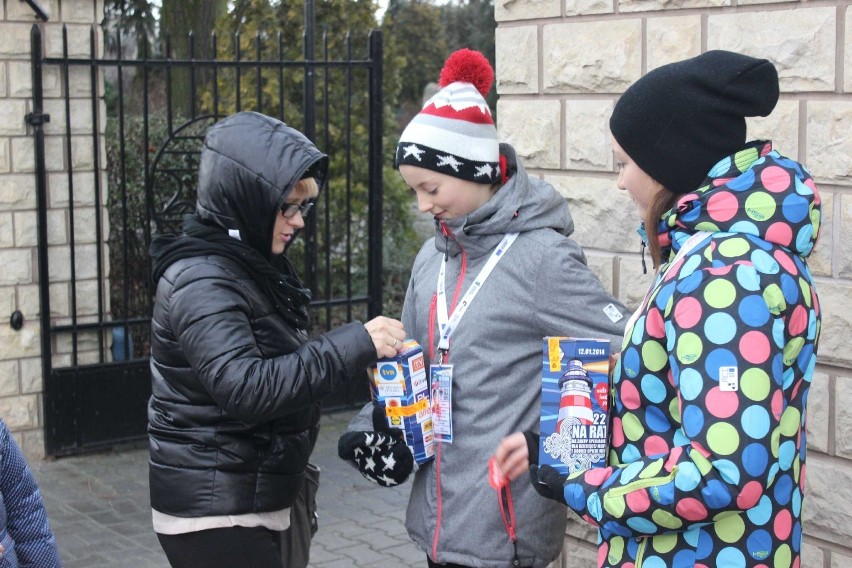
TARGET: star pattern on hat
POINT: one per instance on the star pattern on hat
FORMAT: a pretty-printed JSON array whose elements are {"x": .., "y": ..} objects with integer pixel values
[
  {"x": 483, "y": 170},
  {"x": 412, "y": 150},
  {"x": 449, "y": 161}
]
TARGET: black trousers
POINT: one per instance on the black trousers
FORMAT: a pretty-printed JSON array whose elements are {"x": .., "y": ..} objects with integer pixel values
[{"x": 230, "y": 547}]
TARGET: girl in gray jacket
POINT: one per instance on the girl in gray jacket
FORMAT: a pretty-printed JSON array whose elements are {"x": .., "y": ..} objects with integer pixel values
[{"x": 500, "y": 274}]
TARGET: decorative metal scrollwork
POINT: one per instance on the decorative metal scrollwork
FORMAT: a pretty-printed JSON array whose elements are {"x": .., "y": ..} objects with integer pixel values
[{"x": 174, "y": 174}]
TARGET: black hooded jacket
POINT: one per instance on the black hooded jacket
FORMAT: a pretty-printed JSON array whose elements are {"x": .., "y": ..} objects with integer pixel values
[{"x": 234, "y": 413}]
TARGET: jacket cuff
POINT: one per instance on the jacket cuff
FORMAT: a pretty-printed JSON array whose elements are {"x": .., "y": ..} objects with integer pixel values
[
  {"x": 354, "y": 346},
  {"x": 532, "y": 445}
]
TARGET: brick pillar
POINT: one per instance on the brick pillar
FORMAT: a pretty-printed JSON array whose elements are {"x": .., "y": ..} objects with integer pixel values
[{"x": 20, "y": 351}]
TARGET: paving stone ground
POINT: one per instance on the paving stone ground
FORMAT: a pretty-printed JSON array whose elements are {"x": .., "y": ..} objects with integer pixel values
[{"x": 99, "y": 509}]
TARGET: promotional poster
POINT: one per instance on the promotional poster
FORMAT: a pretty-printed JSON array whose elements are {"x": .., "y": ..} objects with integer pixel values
[{"x": 575, "y": 398}]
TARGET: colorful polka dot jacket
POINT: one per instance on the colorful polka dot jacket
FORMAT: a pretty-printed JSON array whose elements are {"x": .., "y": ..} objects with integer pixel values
[{"x": 708, "y": 433}]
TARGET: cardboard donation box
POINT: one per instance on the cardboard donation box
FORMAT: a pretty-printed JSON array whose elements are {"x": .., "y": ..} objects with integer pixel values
[
  {"x": 400, "y": 386},
  {"x": 575, "y": 393}
]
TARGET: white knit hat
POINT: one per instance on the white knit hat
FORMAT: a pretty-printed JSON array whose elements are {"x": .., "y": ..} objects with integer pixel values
[{"x": 454, "y": 132}]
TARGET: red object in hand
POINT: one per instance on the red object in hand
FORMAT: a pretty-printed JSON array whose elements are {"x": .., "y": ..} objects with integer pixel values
[{"x": 495, "y": 477}]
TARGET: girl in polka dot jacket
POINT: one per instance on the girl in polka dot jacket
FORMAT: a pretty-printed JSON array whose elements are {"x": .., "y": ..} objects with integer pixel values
[{"x": 707, "y": 465}]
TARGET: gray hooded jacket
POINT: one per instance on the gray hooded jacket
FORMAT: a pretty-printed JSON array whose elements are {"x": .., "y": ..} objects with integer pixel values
[{"x": 541, "y": 287}]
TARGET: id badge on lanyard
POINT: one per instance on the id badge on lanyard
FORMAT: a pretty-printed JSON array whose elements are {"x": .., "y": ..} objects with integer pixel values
[
  {"x": 441, "y": 374},
  {"x": 441, "y": 383}
]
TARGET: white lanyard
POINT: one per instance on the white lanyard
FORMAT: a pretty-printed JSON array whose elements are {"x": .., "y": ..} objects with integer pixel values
[
  {"x": 447, "y": 324},
  {"x": 687, "y": 247}
]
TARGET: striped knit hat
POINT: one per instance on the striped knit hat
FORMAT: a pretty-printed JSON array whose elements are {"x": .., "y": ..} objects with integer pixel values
[{"x": 454, "y": 133}]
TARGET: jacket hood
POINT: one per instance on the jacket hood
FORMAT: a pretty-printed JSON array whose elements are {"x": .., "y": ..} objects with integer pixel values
[
  {"x": 756, "y": 192},
  {"x": 521, "y": 205},
  {"x": 249, "y": 164}
]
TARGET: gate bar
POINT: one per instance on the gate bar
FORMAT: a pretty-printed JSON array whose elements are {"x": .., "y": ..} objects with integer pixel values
[
  {"x": 374, "y": 215},
  {"x": 36, "y": 119},
  {"x": 309, "y": 104},
  {"x": 72, "y": 237},
  {"x": 96, "y": 148}
]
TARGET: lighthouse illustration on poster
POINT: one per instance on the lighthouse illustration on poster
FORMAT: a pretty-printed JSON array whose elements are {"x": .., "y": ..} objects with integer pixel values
[
  {"x": 574, "y": 432},
  {"x": 575, "y": 397}
]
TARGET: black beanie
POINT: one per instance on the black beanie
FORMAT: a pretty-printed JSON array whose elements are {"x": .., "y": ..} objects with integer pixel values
[{"x": 680, "y": 119}]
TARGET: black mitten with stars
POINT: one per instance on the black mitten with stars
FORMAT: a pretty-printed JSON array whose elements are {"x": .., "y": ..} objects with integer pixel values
[{"x": 380, "y": 454}]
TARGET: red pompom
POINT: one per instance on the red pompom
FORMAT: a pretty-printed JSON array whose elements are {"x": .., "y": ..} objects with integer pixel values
[{"x": 469, "y": 66}]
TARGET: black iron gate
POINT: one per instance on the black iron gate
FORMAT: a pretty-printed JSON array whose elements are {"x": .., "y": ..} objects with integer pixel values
[{"x": 95, "y": 347}]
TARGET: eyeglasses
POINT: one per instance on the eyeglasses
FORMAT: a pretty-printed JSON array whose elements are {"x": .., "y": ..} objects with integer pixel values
[{"x": 289, "y": 210}]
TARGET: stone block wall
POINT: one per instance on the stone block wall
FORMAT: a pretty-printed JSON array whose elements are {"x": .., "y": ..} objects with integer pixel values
[
  {"x": 560, "y": 67},
  {"x": 21, "y": 382}
]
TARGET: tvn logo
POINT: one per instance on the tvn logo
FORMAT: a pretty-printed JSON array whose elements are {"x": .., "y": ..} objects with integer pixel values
[{"x": 388, "y": 372}]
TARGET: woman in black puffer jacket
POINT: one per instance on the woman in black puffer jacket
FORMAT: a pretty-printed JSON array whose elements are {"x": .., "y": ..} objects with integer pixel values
[{"x": 236, "y": 383}]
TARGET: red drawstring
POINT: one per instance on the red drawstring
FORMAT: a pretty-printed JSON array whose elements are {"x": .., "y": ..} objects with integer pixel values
[
  {"x": 500, "y": 483},
  {"x": 510, "y": 506},
  {"x": 510, "y": 523},
  {"x": 447, "y": 233},
  {"x": 433, "y": 305},
  {"x": 503, "y": 167}
]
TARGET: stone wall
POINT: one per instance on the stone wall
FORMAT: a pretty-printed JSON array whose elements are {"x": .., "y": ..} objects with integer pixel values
[
  {"x": 20, "y": 351},
  {"x": 561, "y": 66}
]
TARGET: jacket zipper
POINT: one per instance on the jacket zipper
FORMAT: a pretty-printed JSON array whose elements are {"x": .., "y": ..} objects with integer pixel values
[
  {"x": 439, "y": 513},
  {"x": 640, "y": 552},
  {"x": 642, "y": 484}
]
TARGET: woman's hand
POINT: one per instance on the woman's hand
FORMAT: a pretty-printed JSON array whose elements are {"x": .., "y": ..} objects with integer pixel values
[
  {"x": 512, "y": 455},
  {"x": 613, "y": 360},
  {"x": 387, "y": 334}
]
